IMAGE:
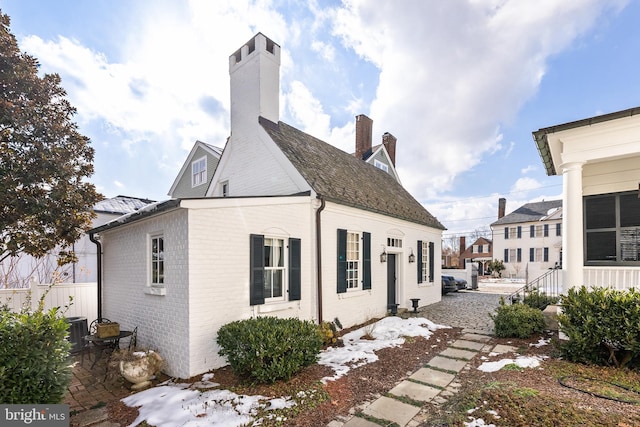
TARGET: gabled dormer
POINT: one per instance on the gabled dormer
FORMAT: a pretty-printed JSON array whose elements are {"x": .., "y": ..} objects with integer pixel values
[
  {"x": 196, "y": 172},
  {"x": 382, "y": 156}
]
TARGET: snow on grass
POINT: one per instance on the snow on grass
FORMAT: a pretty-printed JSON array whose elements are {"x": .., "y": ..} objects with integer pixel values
[
  {"x": 358, "y": 351},
  {"x": 521, "y": 361},
  {"x": 175, "y": 405},
  {"x": 186, "y": 405}
]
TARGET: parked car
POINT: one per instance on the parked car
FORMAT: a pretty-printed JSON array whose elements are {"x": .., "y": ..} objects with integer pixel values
[
  {"x": 453, "y": 281},
  {"x": 448, "y": 285},
  {"x": 460, "y": 283}
]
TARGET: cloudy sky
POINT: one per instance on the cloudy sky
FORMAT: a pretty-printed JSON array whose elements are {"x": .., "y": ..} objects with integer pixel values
[{"x": 460, "y": 83}]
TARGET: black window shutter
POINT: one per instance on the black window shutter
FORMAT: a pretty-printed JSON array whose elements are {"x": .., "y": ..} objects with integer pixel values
[
  {"x": 531, "y": 254},
  {"x": 506, "y": 232},
  {"x": 431, "y": 260},
  {"x": 419, "y": 260},
  {"x": 546, "y": 254},
  {"x": 532, "y": 231},
  {"x": 506, "y": 255},
  {"x": 342, "y": 261},
  {"x": 256, "y": 291},
  {"x": 295, "y": 272},
  {"x": 558, "y": 228},
  {"x": 519, "y": 232},
  {"x": 366, "y": 260},
  {"x": 519, "y": 255},
  {"x": 546, "y": 230}
]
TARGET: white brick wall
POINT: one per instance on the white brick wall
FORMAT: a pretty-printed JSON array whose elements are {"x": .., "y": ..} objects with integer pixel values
[
  {"x": 207, "y": 272},
  {"x": 356, "y": 307}
]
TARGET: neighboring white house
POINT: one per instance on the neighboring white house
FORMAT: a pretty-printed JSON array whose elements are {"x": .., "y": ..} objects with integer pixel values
[
  {"x": 290, "y": 226},
  {"x": 529, "y": 239},
  {"x": 599, "y": 159},
  {"x": 20, "y": 271}
]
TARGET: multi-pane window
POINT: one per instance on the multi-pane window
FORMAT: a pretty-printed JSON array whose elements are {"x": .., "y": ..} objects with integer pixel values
[
  {"x": 392, "y": 242},
  {"x": 381, "y": 165},
  {"x": 353, "y": 260},
  {"x": 539, "y": 231},
  {"x": 199, "y": 172},
  {"x": 157, "y": 260},
  {"x": 513, "y": 232},
  {"x": 425, "y": 262},
  {"x": 612, "y": 228},
  {"x": 274, "y": 268}
]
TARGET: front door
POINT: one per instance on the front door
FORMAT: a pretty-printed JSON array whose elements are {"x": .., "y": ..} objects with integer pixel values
[{"x": 391, "y": 279}]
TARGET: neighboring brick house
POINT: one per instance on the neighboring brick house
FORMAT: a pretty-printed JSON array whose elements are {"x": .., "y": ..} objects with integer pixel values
[
  {"x": 290, "y": 226},
  {"x": 529, "y": 239},
  {"x": 481, "y": 251}
]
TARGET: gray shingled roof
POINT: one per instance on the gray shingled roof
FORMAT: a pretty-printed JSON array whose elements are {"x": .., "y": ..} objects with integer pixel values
[
  {"x": 341, "y": 178},
  {"x": 121, "y": 205},
  {"x": 529, "y": 212}
]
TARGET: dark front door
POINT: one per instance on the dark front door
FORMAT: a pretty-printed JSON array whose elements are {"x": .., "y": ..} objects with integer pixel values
[{"x": 391, "y": 279}]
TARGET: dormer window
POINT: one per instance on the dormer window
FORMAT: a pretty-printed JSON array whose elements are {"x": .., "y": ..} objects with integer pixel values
[
  {"x": 381, "y": 165},
  {"x": 199, "y": 172}
]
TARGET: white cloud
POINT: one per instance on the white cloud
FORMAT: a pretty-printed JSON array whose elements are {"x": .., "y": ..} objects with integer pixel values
[
  {"x": 525, "y": 184},
  {"x": 449, "y": 71},
  {"x": 529, "y": 168}
]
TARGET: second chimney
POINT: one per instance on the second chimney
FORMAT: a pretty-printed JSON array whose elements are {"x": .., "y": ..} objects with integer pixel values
[
  {"x": 389, "y": 142},
  {"x": 463, "y": 244},
  {"x": 364, "y": 129},
  {"x": 502, "y": 206}
]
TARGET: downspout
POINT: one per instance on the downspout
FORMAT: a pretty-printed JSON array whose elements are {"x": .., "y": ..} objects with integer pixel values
[
  {"x": 319, "y": 255},
  {"x": 98, "y": 271}
]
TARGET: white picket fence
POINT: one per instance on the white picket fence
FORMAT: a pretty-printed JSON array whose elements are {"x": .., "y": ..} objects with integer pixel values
[{"x": 74, "y": 299}]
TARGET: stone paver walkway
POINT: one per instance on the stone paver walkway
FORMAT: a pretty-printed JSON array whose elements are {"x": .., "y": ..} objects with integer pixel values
[
  {"x": 436, "y": 381},
  {"x": 433, "y": 383}
]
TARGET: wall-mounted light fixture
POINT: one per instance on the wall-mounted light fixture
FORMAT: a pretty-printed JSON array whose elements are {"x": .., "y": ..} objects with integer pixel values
[
  {"x": 383, "y": 255},
  {"x": 412, "y": 257}
]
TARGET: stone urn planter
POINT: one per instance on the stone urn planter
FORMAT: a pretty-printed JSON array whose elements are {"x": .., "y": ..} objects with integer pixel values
[{"x": 140, "y": 367}]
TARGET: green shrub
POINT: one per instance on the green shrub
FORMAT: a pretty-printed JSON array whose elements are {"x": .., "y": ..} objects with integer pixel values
[
  {"x": 539, "y": 300},
  {"x": 268, "y": 349},
  {"x": 34, "y": 357},
  {"x": 603, "y": 326},
  {"x": 517, "y": 320},
  {"x": 329, "y": 332}
]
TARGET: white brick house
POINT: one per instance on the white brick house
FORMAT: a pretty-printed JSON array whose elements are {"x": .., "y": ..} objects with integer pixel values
[
  {"x": 290, "y": 226},
  {"x": 599, "y": 160}
]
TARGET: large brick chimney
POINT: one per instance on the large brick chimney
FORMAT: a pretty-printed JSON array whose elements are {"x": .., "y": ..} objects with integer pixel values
[
  {"x": 364, "y": 129},
  {"x": 389, "y": 142},
  {"x": 463, "y": 244},
  {"x": 502, "y": 206}
]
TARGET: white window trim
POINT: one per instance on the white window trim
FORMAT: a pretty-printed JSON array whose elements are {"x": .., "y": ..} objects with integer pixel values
[
  {"x": 155, "y": 288},
  {"x": 381, "y": 165},
  {"x": 284, "y": 269},
  {"x": 425, "y": 264},
  {"x": 354, "y": 285},
  {"x": 200, "y": 177}
]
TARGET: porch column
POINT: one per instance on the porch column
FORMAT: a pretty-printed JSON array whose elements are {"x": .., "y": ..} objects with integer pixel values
[{"x": 572, "y": 225}]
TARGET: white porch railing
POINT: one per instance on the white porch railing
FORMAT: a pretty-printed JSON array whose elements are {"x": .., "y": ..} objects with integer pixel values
[
  {"x": 619, "y": 278},
  {"x": 84, "y": 304}
]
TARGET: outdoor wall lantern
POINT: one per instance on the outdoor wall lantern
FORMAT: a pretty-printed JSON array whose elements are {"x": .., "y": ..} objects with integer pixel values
[
  {"x": 412, "y": 257},
  {"x": 383, "y": 255}
]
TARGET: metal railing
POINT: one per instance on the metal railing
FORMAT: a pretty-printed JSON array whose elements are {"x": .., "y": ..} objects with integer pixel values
[{"x": 549, "y": 284}]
